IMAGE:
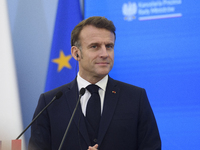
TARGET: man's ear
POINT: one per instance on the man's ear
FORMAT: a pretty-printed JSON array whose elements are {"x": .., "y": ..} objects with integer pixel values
[{"x": 75, "y": 52}]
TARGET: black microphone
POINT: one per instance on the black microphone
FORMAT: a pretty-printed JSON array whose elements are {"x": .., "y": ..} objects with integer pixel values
[
  {"x": 81, "y": 93},
  {"x": 57, "y": 96}
]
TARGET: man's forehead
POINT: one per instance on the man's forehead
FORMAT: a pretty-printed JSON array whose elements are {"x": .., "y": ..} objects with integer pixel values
[{"x": 93, "y": 33}]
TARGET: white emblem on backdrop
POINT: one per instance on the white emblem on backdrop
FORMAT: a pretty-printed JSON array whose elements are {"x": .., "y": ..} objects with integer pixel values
[
  {"x": 151, "y": 10},
  {"x": 129, "y": 10}
]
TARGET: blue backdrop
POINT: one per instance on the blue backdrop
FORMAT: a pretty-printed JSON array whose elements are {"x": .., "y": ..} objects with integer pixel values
[{"x": 157, "y": 48}]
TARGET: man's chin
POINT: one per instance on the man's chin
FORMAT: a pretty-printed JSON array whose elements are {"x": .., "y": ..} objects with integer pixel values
[{"x": 103, "y": 71}]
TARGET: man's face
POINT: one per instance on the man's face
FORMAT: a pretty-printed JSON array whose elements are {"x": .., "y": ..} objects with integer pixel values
[{"x": 97, "y": 52}]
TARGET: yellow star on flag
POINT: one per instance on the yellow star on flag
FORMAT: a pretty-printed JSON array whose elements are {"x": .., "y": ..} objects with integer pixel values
[{"x": 62, "y": 61}]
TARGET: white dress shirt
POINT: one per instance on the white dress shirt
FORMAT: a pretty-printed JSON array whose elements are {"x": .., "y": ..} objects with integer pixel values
[{"x": 82, "y": 83}]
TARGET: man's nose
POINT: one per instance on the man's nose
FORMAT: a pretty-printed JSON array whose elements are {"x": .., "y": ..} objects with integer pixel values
[{"x": 104, "y": 52}]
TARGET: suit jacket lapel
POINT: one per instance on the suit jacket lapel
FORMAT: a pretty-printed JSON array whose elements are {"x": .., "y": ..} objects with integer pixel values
[
  {"x": 110, "y": 102},
  {"x": 72, "y": 97}
]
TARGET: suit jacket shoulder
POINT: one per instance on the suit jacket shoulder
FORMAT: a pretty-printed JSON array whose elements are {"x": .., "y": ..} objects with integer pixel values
[
  {"x": 64, "y": 88},
  {"x": 127, "y": 121}
]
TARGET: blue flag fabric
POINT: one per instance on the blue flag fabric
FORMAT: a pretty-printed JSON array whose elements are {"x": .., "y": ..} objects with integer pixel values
[{"x": 62, "y": 66}]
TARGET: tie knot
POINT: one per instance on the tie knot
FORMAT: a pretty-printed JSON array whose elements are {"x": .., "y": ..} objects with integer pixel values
[{"x": 92, "y": 88}]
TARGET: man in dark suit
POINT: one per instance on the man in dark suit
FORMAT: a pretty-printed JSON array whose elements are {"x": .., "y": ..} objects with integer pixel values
[{"x": 126, "y": 120}]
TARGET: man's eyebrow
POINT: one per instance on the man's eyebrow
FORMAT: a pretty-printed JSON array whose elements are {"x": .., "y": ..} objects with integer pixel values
[
  {"x": 95, "y": 43},
  {"x": 111, "y": 43}
]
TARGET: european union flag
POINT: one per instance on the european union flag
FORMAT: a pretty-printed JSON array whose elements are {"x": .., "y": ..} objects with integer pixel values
[{"x": 62, "y": 67}]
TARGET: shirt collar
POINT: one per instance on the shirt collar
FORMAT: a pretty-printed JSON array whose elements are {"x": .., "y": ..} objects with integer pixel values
[{"x": 82, "y": 83}]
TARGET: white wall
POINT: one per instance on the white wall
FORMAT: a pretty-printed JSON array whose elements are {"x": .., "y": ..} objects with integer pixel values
[{"x": 32, "y": 24}]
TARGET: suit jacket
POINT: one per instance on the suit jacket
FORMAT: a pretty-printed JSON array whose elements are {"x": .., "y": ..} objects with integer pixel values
[{"x": 127, "y": 121}]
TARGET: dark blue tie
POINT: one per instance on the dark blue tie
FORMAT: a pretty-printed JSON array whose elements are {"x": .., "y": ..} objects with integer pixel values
[{"x": 93, "y": 110}]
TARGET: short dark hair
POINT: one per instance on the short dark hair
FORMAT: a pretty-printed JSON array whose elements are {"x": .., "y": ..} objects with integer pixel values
[{"x": 96, "y": 21}]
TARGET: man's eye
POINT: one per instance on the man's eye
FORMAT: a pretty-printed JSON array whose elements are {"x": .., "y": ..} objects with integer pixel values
[
  {"x": 93, "y": 46},
  {"x": 109, "y": 46}
]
